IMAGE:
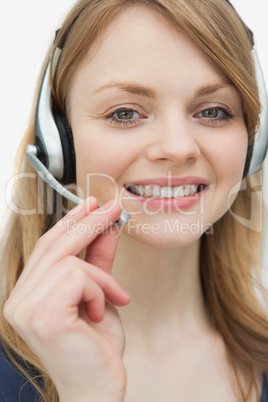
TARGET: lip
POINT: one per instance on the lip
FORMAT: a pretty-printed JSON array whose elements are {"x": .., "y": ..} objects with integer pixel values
[{"x": 169, "y": 204}]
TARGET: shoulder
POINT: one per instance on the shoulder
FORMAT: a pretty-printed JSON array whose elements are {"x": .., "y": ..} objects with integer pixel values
[
  {"x": 14, "y": 386},
  {"x": 264, "y": 395}
]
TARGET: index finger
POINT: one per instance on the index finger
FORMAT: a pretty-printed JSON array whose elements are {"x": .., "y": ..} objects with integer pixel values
[
  {"x": 70, "y": 238},
  {"x": 75, "y": 215},
  {"x": 50, "y": 237}
]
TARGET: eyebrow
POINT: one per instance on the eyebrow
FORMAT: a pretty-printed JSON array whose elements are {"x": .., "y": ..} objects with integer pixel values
[
  {"x": 136, "y": 89},
  {"x": 210, "y": 89},
  {"x": 129, "y": 87}
]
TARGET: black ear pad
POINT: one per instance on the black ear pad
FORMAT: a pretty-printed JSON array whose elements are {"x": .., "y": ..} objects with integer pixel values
[
  {"x": 248, "y": 159},
  {"x": 66, "y": 137}
]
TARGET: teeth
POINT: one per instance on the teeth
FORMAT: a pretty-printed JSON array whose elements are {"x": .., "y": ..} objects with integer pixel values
[
  {"x": 193, "y": 189},
  {"x": 148, "y": 191},
  {"x": 187, "y": 190},
  {"x": 156, "y": 191},
  {"x": 141, "y": 191},
  {"x": 134, "y": 190},
  {"x": 165, "y": 191},
  {"x": 178, "y": 191}
]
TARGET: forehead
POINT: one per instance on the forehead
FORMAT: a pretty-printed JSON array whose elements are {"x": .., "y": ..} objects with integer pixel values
[{"x": 140, "y": 45}]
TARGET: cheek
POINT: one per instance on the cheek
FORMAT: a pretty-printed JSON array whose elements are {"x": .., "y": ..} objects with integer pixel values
[
  {"x": 228, "y": 157},
  {"x": 99, "y": 165},
  {"x": 95, "y": 171}
]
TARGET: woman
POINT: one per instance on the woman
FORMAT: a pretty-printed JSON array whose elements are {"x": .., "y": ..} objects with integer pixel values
[{"x": 162, "y": 102}]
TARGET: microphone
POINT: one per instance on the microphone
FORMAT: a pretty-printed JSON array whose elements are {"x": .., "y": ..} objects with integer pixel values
[{"x": 43, "y": 172}]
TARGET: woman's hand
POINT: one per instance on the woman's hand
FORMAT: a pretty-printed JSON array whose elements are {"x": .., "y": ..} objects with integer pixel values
[{"x": 63, "y": 307}]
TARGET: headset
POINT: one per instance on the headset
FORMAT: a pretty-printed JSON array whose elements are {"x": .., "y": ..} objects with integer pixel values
[{"x": 53, "y": 155}]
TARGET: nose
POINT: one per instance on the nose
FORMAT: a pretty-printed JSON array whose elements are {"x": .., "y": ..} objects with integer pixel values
[{"x": 174, "y": 142}]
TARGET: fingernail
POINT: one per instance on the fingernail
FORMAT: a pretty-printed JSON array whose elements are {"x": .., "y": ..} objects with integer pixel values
[{"x": 89, "y": 202}]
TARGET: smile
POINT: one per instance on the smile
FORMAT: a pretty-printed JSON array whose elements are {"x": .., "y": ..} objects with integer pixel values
[{"x": 156, "y": 191}]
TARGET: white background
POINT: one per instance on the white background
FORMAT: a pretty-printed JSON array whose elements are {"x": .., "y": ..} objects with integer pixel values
[{"x": 26, "y": 30}]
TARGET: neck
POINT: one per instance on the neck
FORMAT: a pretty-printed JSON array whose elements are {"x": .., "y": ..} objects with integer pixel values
[{"x": 164, "y": 286}]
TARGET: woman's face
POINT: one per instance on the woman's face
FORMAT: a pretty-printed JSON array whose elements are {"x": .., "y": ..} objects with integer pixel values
[{"x": 157, "y": 125}]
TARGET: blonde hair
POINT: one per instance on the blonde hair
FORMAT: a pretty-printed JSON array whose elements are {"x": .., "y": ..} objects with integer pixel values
[{"x": 228, "y": 259}]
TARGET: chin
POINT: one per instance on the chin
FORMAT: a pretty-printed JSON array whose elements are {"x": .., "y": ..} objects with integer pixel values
[{"x": 167, "y": 234}]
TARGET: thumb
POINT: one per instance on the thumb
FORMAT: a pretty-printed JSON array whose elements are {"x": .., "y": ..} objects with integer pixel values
[{"x": 101, "y": 251}]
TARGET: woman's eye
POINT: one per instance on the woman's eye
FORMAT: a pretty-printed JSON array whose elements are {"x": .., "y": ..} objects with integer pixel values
[
  {"x": 124, "y": 117},
  {"x": 211, "y": 113},
  {"x": 126, "y": 114},
  {"x": 216, "y": 114}
]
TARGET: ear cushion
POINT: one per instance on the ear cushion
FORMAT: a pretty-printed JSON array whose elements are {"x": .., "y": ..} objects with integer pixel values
[
  {"x": 248, "y": 160},
  {"x": 66, "y": 137}
]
